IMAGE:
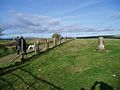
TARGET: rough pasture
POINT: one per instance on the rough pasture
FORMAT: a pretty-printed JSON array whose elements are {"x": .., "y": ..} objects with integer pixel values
[{"x": 71, "y": 66}]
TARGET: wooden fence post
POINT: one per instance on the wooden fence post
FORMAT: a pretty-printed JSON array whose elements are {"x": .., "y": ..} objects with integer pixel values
[
  {"x": 59, "y": 40},
  {"x": 38, "y": 46},
  {"x": 46, "y": 44},
  {"x": 54, "y": 41},
  {"x": 35, "y": 48},
  {"x": 22, "y": 51}
]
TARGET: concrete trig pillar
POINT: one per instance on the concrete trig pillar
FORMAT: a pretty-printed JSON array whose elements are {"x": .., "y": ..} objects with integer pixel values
[{"x": 101, "y": 44}]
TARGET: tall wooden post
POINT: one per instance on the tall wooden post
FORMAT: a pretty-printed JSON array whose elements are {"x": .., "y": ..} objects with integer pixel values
[
  {"x": 60, "y": 40},
  {"x": 22, "y": 51},
  {"x": 54, "y": 41},
  {"x": 38, "y": 46},
  {"x": 35, "y": 48},
  {"x": 46, "y": 44},
  {"x": 101, "y": 44}
]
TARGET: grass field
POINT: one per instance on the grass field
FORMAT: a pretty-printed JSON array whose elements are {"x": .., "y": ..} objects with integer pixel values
[
  {"x": 4, "y": 41},
  {"x": 6, "y": 49},
  {"x": 71, "y": 66}
]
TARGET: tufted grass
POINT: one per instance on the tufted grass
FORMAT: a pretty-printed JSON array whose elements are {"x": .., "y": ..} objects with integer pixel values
[{"x": 71, "y": 66}]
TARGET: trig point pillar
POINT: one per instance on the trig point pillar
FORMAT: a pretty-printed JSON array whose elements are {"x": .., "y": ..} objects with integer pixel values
[{"x": 101, "y": 44}]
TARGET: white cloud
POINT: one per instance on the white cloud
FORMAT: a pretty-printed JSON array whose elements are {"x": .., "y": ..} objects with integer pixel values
[
  {"x": 86, "y": 4},
  {"x": 32, "y": 23},
  {"x": 54, "y": 22},
  {"x": 22, "y": 23}
]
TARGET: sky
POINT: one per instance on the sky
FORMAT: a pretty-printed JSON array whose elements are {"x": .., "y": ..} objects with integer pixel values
[{"x": 74, "y": 18}]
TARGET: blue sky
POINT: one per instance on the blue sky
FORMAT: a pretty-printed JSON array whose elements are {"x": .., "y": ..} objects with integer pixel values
[{"x": 42, "y": 18}]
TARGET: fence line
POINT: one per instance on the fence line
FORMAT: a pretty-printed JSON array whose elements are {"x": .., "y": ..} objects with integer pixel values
[{"x": 45, "y": 46}]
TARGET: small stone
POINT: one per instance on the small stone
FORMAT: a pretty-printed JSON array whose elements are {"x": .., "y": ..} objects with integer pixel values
[
  {"x": 113, "y": 75},
  {"x": 40, "y": 69}
]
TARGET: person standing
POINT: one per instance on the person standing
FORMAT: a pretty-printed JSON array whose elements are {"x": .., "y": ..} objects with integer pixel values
[{"x": 18, "y": 45}]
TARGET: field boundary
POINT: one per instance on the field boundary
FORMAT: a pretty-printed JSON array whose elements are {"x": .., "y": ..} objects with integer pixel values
[{"x": 18, "y": 64}]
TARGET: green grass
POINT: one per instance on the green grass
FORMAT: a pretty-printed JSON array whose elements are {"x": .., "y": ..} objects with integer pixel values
[
  {"x": 71, "y": 66},
  {"x": 4, "y": 41},
  {"x": 5, "y": 49}
]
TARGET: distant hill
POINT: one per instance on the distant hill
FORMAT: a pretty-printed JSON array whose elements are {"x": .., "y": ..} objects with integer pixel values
[{"x": 105, "y": 36}]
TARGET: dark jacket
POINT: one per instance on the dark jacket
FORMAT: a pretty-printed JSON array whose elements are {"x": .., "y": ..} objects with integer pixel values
[{"x": 24, "y": 43}]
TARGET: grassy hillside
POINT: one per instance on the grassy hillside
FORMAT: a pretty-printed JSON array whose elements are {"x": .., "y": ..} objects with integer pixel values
[{"x": 71, "y": 66}]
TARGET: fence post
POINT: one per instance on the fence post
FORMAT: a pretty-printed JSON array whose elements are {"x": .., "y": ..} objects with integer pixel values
[
  {"x": 37, "y": 46},
  {"x": 54, "y": 41},
  {"x": 46, "y": 44},
  {"x": 59, "y": 40},
  {"x": 22, "y": 55}
]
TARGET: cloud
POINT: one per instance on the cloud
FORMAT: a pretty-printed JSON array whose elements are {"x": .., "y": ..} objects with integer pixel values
[
  {"x": 1, "y": 29},
  {"x": 25, "y": 23},
  {"x": 86, "y": 4},
  {"x": 78, "y": 29},
  {"x": 31, "y": 23},
  {"x": 116, "y": 14},
  {"x": 54, "y": 22}
]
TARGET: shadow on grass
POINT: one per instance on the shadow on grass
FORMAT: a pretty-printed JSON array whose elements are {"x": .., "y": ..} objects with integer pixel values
[
  {"x": 30, "y": 85},
  {"x": 6, "y": 71},
  {"x": 16, "y": 65},
  {"x": 102, "y": 86},
  {"x": 42, "y": 80},
  {"x": 4, "y": 80}
]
